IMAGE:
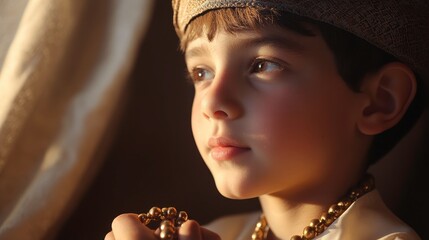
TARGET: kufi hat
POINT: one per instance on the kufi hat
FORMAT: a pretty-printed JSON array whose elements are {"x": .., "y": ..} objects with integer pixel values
[{"x": 399, "y": 27}]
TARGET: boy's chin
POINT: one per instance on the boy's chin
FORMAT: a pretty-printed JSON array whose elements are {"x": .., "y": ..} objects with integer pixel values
[
  {"x": 236, "y": 193},
  {"x": 238, "y": 196}
]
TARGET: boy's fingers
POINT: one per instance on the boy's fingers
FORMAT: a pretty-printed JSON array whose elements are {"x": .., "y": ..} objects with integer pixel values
[
  {"x": 128, "y": 227},
  {"x": 191, "y": 230},
  {"x": 109, "y": 236},
  {"x": 209, "y": 235}
]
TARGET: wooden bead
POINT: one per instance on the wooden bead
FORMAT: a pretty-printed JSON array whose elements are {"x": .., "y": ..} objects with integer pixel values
[
  {"x": 309, "y": 232},
  {"x": 166, "y": 235},
  {"x": 144, "y": 218},
  {"x": 296, "y": 237},
  {"x": 342, "y": 205},
  {"x": 166, "y": 224},
  {"x": 335, "y": 210},
  {"x": 154, "y": 213},
  {"x": 171, "y": 213},
  {"x": 258, "y": 235},
  {"x": 320, "y": 228},
  {"x": 181, "y": 218},
  {"x": 167, "y": 230},
  {"x": 354, "y": 195},
  {"x": 327, "y": 218},
  {"x": 164, "y": 213}
]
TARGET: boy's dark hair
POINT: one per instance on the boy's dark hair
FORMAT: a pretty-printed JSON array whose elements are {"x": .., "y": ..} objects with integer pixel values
[{"x": 354, "y": 57}]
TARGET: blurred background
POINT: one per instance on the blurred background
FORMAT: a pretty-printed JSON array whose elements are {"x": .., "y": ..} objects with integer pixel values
[
  {"x": 147, "y": 156},
  {"x": 153, "y": 160}
]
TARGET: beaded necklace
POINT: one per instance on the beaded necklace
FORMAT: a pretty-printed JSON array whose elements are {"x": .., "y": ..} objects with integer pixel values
[{"x": 319, "y": 225}]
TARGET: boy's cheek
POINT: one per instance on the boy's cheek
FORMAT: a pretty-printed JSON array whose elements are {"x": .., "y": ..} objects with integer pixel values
[{"x": 198, "y": 130}]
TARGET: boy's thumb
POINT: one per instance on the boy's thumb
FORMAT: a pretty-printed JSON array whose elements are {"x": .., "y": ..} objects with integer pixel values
[{"x": 191, "y": 230}]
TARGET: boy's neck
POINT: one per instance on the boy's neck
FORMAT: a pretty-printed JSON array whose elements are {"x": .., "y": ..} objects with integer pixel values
[
  {"x": 288, "y": 215},
  {"x": 286, "y": 220}
]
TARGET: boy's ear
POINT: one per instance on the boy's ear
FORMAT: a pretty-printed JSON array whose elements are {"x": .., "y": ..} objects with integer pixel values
[{"x": 389, "y": 93}]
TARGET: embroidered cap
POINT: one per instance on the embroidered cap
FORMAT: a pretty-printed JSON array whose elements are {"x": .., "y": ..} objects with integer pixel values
[{"x": 399, "y": 27}]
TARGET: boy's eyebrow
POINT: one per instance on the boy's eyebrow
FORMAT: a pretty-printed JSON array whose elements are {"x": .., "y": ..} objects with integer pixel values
[{"x": 196, "y": 51}]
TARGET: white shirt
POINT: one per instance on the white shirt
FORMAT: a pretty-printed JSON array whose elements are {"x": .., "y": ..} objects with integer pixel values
[{"x": 366, "y": 219}]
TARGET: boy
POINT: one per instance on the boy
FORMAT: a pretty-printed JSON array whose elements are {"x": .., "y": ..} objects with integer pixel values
[{"x": 293, "y": 101}]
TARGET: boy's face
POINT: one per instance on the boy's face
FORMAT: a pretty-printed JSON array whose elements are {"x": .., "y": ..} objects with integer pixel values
[{"x": 270, "y": 112}]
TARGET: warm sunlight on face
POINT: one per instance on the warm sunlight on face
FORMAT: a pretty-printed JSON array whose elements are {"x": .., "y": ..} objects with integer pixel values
[{"x": 270, "y": 112}]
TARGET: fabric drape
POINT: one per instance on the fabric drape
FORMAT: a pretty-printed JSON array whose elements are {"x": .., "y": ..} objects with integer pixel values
[{"x": 63, "y": 70}]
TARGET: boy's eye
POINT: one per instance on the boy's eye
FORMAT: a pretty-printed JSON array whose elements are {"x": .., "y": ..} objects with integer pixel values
[
  {"x": 200, "y": 74},
  {"x": 265, "y": 66}
]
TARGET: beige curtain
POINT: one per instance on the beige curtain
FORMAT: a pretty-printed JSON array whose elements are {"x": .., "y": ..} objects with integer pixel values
[{"x": 63, "y": 69}]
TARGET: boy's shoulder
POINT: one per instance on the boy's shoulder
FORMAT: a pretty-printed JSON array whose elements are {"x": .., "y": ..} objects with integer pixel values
[{"x": 370, "y": 218}]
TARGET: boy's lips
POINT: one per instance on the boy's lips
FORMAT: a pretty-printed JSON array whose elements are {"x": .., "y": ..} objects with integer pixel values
[{"x": 222, "y": 148}]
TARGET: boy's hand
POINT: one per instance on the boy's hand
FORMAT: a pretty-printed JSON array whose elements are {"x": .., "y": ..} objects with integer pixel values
[{"x": 128, "y": 227}]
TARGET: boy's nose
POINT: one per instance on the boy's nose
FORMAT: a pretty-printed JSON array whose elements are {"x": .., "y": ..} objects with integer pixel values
[{"x": 221, "y": 101}]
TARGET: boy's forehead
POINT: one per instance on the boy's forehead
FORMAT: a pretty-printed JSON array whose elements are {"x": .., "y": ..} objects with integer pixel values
[
  {"x": 397, "y": 27},
  {"x": 273, "y": 36}
]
